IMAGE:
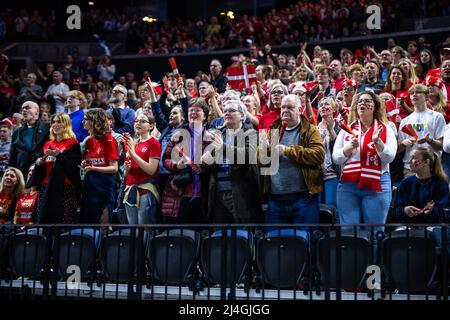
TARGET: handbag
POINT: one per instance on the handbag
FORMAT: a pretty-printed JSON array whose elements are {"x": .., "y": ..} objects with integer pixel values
[{"x": 183, "y": 178}]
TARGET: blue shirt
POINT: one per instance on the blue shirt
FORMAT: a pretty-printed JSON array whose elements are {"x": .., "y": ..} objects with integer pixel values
[
  {"x": 77, "y": 125},
  {"x": 28, "y": 138}
]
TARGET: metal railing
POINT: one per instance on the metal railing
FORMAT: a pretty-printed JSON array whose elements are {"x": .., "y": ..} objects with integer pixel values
[{"x": 226, "y": 262}]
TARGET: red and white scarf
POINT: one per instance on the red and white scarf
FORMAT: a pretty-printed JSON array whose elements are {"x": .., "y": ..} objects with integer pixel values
[{"x": 364, "y": 167}]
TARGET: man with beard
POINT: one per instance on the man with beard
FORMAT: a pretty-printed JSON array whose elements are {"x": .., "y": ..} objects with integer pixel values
[
  {"x": 385, "y": 62},
  {"x": 337, "y": 75},
  {"x": 371, "y": 70},
  {"x": 123, "y": 115}
]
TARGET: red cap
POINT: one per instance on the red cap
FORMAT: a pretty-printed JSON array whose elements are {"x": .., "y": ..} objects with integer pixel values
[{"x": 8, "y": 121}]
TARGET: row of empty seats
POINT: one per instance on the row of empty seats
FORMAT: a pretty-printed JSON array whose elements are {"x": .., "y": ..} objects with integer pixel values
[{"x": 281, "y": 258}]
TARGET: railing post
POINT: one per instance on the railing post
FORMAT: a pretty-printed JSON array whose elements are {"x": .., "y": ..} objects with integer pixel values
[{"x": 444, "y": 254}]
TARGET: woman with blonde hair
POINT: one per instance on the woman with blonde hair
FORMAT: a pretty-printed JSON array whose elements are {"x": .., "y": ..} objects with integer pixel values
[
  {"x": 57, "y": 176},
  {"x": 436, "y": 100},
  {"x": 364, "y": 191},
  {"x": 100, "y": 165},
  {"x": 421, "y": 197},
  {"x": 11, "y": 186},
  {"x": 253, "y": 106},
  {"x": 409, "y": 70}
]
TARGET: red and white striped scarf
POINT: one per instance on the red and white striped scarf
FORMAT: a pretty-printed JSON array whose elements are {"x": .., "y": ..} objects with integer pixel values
[{"x": 366, "y": 173}]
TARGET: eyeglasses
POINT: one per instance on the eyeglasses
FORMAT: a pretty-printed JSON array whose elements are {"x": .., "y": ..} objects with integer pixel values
[
  {"x": 56, "y": 121},
  {"x": 141, "y": 121},
  {"x": 203, "y": 88},
  {"x": 229, "y": 110},
  {"x": 117, "y": 91},
  {"x": 280, "y": 92},
  {"x": 365, "y": 101}
]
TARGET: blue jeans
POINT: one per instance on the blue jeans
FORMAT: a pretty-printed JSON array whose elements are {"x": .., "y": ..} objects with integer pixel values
[
  {"x": 293, "y": 210},
  {"x": 147, "y": 212},
  {"x": 364, "y": 206},
  {"x": 329, "y": 196}
]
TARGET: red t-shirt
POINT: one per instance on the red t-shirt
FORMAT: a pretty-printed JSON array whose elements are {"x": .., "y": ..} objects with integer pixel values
[
  {"x": 25, "y": 206},
  {"x": 5, "y": 202},
  {"x": 50, "y": 160},
  {"x": 100, "y": 152},
  {"x": 149, "y": 149}
]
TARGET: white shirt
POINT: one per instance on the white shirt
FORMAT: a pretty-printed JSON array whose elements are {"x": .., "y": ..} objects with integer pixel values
[
  {"x": 446, "y": 143},
  {"x": 427, "y": 121},
  {"x": 386, "y": 156},
  {"x": 62, "y": 89}
]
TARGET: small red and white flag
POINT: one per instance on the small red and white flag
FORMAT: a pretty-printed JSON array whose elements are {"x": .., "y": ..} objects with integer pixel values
[
  {"x": 241, "y": 77},
  {"x": 174, "y": 67}
]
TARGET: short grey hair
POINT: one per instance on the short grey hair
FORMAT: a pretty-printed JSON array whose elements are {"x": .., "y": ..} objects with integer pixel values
[
  {"x": 240, "y": 106},
  {"x": 294, "y": 98}
]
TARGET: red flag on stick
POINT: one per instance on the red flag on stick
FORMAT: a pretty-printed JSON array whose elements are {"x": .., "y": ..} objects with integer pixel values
[
  {"x": 344, "y": 126},
  {"x": 166, "y": 85},
  {"x": 186, "y": 157},
  {"x": 173, "y": 64},
  {"x": 243, "y": 76},
  {"x": 409, "y": 130}
]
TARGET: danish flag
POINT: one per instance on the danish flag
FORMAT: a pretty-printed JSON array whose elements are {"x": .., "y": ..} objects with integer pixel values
[{"x": 241, "y": 77}]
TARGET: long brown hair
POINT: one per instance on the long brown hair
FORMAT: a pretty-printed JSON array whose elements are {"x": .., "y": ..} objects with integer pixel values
[
  {"x": 380, "y": 110},
  {"x": 435, "y": 162},
  {"x": 404, "y": 84}
]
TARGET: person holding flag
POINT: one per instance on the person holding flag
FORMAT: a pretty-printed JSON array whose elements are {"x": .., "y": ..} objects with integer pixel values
[
  {"x": 365, "y": 149},
  {"x": 428, "y": 125}
]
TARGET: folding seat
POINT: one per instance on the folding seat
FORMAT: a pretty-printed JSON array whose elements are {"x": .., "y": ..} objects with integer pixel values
[
  {"x": 116, "y": 251},
  {"x": 28, "y": 252},
  {"x": 282, "y": 257},
  {"x": 227, "y": 256},
  {"x": 77, "y": 247},
  {"x": 327, "y": 214},
  {"x": 409, "y": 260},
  {"x": 355, "y": 256},
  {"x": 173, "y": 255}
]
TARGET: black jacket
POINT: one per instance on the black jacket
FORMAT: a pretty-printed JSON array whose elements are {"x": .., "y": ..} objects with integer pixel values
[
  {"x": 66, "y": 165},
  {"x": 244, "y": 178},
  {"x": 220, "y": 83},
  {"x": 19, "y": 156}
]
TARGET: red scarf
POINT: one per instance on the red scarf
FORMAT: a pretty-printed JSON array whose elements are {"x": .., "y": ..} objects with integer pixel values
[{"x": 364, "y": 167}]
